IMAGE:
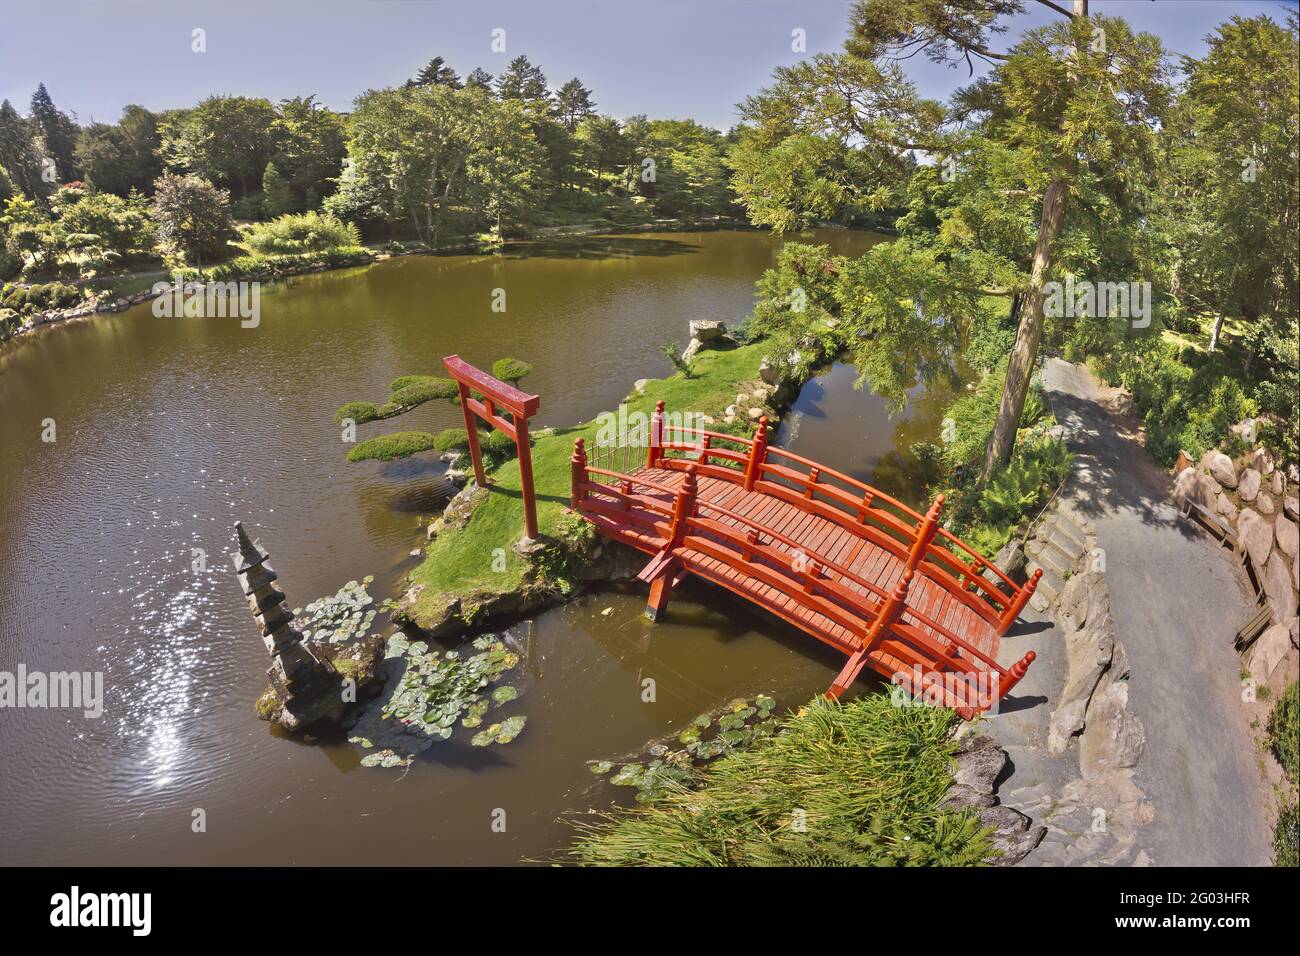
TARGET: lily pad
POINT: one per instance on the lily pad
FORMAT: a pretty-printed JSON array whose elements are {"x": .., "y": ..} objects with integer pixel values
[{"x": 504, "y": 694}]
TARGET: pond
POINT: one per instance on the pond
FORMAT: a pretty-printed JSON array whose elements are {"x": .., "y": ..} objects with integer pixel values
[{"x": 114, "y": 540}]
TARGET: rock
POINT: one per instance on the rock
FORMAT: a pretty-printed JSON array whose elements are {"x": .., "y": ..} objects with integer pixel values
[
  {"x": 1255, "y": 535},
  {"x": 1184, "y": 461},
  {"x": 1089, "y": 652},
  {"x": 1264, "y": 503},
  {"x": 692, "y": 350},
  {"x": 979, "y": 763},
  {"x": 1276, "y": 484},
  {"x": 1124, "y": 404},
  {"x": 1245, "y": 430},
  {"x": 1196, "y": 486},
  {"x": 729, "y": 413},
  {"x": 769, "y": 373},
  {"x": 1010, "y": 561},
  {"x": 708, "y": 331},
  {"x": 639, "y": 385},
  {"x": 742, "y": 399},
  {"x": 1291, "y": 507},
  {"x": 1012, "y": 837},
  {"x": 1267, "y": 653},
  {"x": 1247, "y": 484},
  {"x": 1287, "y": 535},
  {"x": 1223, "y": 504},
  {"x": 1221, "y": 467},
  {"x": 755, "y": 414},
  {"x": 1295, "y": 632},
  {"x": 1277, "y": 588},
  {"x": 1263, "y": 461},
  {"x": 1113, "y": 738}
]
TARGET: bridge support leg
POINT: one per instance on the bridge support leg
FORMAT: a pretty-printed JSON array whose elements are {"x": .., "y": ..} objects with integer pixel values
[
  {"x": 660, "y": 588},
  {"x": 844, "y": 680}
]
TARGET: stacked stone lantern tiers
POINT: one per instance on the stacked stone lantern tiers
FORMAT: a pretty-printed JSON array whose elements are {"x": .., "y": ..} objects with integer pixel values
[{"x": 297, "y": 674}]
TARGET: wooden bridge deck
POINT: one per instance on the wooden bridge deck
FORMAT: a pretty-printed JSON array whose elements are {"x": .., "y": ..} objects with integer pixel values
[
  {"x": 818, "y": 537},
  {"x": 858, "y": 570}
]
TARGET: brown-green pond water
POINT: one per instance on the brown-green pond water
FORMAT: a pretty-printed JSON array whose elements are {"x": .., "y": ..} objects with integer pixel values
[{"x": 169, "y": 430}]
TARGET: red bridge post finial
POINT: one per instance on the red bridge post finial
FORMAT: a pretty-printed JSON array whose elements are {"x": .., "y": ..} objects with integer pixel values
[
  {"x": 1014, "y": 673},
  {"x": 579, "y": 463},
  {"x": 1018, "y": 602},
  {"x": 683, "y": 507},
  {"x": 656, "y": 451}
]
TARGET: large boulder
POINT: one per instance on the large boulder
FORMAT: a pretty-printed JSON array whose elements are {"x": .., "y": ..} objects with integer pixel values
[
  {"x": 1255, "y": 535},
  {"x": 1262, "y": 461},
  {"x": 1113, "y": 738},
  {"x": 769, "y": 372},
  {"x": 1291, "y": 507},
  {"x": 1247, "y": 484},
  {"x": 1264, "y": 503},
  {"x": 1089, "y": 652},
  {"x": 1287, "y": 535},
  {"x": 709, "y": 331},
  {"x": 1221, "y": 467},
  {"x": 1196, "y": 486},
  {"x": 1223, "y": 504},
  {"x": 1268, "y": 652},
  {"x": 1277, "y": 588}
]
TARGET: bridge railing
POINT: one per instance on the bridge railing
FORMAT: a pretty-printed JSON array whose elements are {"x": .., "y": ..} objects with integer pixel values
[
  {"x": 977, "y": 582},
  {"x": 675, "y": 518}
]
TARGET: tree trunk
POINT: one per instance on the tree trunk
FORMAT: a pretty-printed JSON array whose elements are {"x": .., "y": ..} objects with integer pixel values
[
  {"x": 1024, "y": 353},
  {"x": 1214, "y": 335}
]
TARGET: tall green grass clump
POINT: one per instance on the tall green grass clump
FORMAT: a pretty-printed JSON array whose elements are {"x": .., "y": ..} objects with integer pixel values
[
  {"x": 855, "y": 784},
  {"x": 299, "y": 233}
]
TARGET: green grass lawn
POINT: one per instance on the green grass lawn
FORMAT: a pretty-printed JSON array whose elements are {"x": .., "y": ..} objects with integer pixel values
[{"x": 461, "y": 562}]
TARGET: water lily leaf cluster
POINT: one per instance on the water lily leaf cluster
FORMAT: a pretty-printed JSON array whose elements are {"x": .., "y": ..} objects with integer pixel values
[
  {"x": 734, "y": 726},
  {"x": 341, "y": 617},
  {"x": 430, "y": 692}
]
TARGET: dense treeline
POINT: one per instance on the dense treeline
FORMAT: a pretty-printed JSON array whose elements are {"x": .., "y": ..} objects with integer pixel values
[
  {"x": 435, "y": 160},
  {"x": 1087, "y": 154}
]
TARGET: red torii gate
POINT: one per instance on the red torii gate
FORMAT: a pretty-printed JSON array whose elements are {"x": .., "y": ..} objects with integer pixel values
[{"x": 521, "y": 407}]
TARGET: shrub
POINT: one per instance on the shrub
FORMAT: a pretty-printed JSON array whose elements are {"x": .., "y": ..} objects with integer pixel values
[
  {"x": 510, "y": 370},
  {"x": 1019, "y": 484},
  {"x": 869, "y": 777},
  {"x": 295, "y": 234},
  {"x": 1286, "y": 837},
  {"x": 359, "y": 412},
  {"x": 1284, "y": 731},
  {"x": 974, "y": 415},
  {"x": 390, "y": 447},
  {"x": 671, "y": 352},
  {"x": 497, "y": 444},
  {"x": 411, "y": 390},
  {"x": 28, "y": 300}
]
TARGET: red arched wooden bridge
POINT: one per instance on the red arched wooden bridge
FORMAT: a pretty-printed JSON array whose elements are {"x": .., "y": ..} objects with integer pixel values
[{"x": 846, "y": 563}]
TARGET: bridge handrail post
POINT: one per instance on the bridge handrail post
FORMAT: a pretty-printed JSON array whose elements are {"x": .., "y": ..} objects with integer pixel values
[
  {"x": 656, "y": 449},
  {"x": 891, "y": 611},
  {"x": 757, "y": 454},
  {"x": 1014, "y": 673},
  {"x": 579, "y": 468},
  {"x": 925, "y": 533},
  {"x": 683, "y": 507},
  {"x": 1018, "y": 603}
]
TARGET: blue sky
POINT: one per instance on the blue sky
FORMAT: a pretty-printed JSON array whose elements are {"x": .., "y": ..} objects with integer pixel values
[{"x": 666, "y": 58}]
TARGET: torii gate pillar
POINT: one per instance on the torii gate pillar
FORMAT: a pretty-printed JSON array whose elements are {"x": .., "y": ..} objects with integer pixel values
[{"x": 521, "y": 406}]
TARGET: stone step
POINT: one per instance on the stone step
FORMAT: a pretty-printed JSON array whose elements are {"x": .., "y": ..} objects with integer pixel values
[
  {"x": 1049, "y": 585},
  {"x": 1050, "y": 555},
  {"x": 1066, "y": 527},
  {"x": 1068, "y": 510}
]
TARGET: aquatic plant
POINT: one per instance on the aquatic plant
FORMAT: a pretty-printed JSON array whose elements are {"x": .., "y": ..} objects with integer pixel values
[
  {"x": 737, "y": 724},
  {"x": 429, "y": 692},
  {"x": 836, "y": 784},
  {"x": 341, "y": 617}
]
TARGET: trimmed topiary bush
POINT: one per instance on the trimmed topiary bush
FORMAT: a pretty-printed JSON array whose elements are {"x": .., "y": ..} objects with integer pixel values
[
  {"x": 359, "y": 412},
  {"x": 391, "y": 447},
  {"x": 411, "y": 390},
  {"x": 510, "y": 370}
]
